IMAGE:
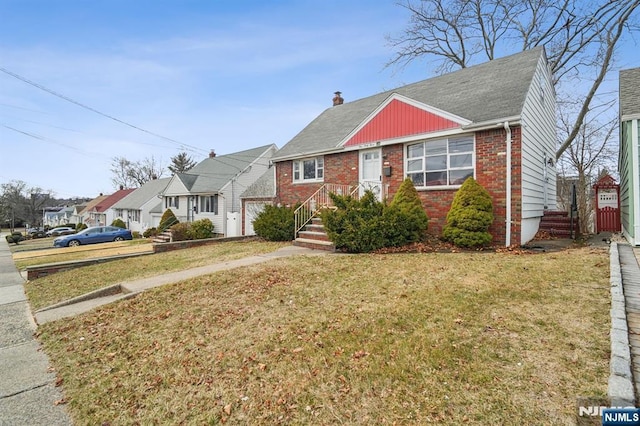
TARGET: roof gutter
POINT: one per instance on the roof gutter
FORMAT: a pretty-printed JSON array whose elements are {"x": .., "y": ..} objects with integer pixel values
[{"x": 514, "y": 120}]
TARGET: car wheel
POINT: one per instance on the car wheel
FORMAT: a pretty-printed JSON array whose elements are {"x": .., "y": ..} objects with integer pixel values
[
  {"x": 118, "y": 239},
  {"x": 74, "y": 243}
]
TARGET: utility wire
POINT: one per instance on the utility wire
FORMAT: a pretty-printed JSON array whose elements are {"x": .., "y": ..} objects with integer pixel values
[{"x": 68, "y": 99}]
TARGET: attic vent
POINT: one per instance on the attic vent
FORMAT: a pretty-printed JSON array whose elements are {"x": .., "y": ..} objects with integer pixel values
[{"x": 337, "y": 99}]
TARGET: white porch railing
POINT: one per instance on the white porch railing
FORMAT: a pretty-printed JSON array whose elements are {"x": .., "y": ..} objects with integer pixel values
[{"x": 319, "y": 200}]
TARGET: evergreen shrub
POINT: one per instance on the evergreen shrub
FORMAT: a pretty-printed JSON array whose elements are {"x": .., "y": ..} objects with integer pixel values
[
  {"x": 167, "y": 220},
  {"x": 356, "y": 226},
  {"x": 200, "y": 229},
  {"x": 470, "y": 216},
  {"x": 275, "y": 223},
  {"x": 119, "y": 223}
]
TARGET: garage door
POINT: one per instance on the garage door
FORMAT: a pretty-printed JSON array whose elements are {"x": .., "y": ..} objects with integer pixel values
[{"x": 251, "y": 211}]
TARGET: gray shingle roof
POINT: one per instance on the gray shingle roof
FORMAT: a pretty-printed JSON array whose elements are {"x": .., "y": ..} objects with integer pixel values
[
  {"x": 212, "y": 174},
  {"x": 141, "y": 195},
  {"x": 264, "y": 187},
  {"x": 493, "y": 90},
  {"x": 629, "y": 92}
]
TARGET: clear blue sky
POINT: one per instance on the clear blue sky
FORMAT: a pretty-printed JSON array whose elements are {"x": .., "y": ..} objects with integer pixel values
[{"x": 222, "y": 75}]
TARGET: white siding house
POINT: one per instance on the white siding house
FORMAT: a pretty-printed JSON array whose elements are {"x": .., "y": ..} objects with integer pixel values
[
  {"x": 539, "y": 147},
  {"x": 136, "y": 208},
  {"x": 212, "y": 188}
]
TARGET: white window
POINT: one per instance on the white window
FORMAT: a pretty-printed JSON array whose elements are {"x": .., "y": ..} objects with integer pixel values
[
  {"x": 442, "y": 162},
  {"x": 134, "y": 215},
  {"x": 172, "y": 202},
  {"x": 310, "y": 169},
  {"x": 209, "y": 204}
]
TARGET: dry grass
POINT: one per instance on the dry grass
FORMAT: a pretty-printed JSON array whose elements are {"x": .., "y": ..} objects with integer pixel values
[
  {"x": 65, "y": 285},
  {"x": 476, "y": 338},
  {"x": 41, "y": 256}
]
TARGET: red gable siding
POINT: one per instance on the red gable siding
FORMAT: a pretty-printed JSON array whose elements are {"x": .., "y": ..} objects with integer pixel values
[{"x": 399, "y": 119}]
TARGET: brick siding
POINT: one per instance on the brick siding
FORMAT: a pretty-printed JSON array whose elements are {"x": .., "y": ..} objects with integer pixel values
[{"x": 342, "y": 168}]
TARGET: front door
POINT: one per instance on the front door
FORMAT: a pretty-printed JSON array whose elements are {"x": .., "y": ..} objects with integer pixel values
[{"x": 371, "y": 172}]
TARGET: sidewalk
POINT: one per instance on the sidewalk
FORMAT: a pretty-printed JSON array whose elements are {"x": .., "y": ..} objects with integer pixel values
[{"x": 27, "y": 388}]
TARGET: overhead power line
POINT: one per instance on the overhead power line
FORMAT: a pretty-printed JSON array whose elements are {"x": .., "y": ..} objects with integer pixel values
[{"x": 68, "y": 99}]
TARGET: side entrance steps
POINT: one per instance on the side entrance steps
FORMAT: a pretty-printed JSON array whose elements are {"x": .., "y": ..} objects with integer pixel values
[
  {"x": 314, "y": 237},
  {"x": 559, "y": 224}
]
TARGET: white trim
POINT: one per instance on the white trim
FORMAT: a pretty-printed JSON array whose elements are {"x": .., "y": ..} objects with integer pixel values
[
  {"x": 395, "y": 96},
  {"x": 361, "y": 180},
  {"x": 630, "y": 117},
  {"x": 514, "y": 121},
  {"x": 301, "y": 171},
  {"x": 407, "y": 139},
  {"x": 439, "y": 187}
]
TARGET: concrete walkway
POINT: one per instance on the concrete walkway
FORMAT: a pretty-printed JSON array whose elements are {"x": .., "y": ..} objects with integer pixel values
[
  {"x": 28, "y": 394},
  {"x": 129, "y": 289}
]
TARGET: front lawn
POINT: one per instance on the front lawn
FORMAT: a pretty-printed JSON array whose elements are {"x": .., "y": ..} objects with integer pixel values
[
  {"x": 450, "y": 338},
  {"x": 55, "y": 288}
]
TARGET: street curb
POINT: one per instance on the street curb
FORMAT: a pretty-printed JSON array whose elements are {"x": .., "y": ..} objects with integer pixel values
[{"x": 620, "y": 389}]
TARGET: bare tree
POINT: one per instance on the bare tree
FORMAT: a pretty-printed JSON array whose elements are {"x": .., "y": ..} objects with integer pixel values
[
  {"x": 129, "y": 174},
  {"x": 580, "y": 38},
  {"x": 120, "y": 168},
  {"x": 21, "y": 203},
  {"x": 148, "y": 169},
  {"x": 584, "y": 161}
]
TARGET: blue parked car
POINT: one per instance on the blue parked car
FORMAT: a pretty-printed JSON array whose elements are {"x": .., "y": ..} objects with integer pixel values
[{"x": 95, "y": 234}]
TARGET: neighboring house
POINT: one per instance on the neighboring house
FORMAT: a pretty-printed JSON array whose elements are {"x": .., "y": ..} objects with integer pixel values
[
  {"x": 212, "y": 188},
  {"x": 101, "y": 213},
  {"x": 629, "y": 154},
  {"x": 257, "y": 195},
  {"x": 495, "y": 121},
  {"x": 76, "y": 215},
  {"x": 50, "y": 217},
  {"x": 137, "y": 209},
  {"x": 85, "y": 214}
]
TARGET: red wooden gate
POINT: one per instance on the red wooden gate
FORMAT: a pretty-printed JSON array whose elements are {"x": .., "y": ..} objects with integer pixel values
[{"x": 607, "y": 205}]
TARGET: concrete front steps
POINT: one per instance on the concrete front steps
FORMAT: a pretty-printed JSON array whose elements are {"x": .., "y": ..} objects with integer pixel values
[
  {"x": 558, "y": 224},
  {"x": 163, "y": 237},
  {"x": 314, "y": 237}
]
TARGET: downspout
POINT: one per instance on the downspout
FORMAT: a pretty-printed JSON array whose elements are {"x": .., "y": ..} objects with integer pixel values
[{"x": 507, "y": 242}]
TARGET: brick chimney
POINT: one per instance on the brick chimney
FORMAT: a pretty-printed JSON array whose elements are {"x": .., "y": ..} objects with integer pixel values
[
  {"x": 337, "y": 99},
  {"x": 212, "y": 154}
]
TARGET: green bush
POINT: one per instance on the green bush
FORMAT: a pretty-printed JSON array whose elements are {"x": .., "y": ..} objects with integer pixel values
[
  {"x": 150, "y": 232},
  {"x": 275, "y": 223},
  {"x": 470, "y": 216},
  {"x": 365, "y": 225},
  {"x": 15, "y": 238},
  {"x": 201, "y": 229},
  {"x": 136, "y": 235},
  {"x": 180, "y": 231},
  {"x": 119, "y": 223},
  {"x": 81, "y": 226},
  {"x": 356, "y": 226},
  {"x": 167, "y": 220},
  {"x": 406, "y": 220}
]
